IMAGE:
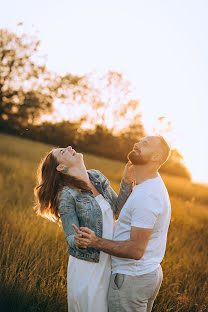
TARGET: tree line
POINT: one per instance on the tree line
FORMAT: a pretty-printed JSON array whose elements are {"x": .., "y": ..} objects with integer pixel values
[{"x": 28, "y": 92}]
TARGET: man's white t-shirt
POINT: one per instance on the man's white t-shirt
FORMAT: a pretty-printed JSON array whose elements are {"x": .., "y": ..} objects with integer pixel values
[{"x": 147, "y": 207}]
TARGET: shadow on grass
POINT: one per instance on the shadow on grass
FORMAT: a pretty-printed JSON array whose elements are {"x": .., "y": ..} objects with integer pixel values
[{"x": 15, "y": 300}]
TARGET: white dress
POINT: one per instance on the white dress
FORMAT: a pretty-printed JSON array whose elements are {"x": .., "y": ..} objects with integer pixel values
[{"x": 88, "y": 282}]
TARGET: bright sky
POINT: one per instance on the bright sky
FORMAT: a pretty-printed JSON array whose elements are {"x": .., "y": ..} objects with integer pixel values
[{"x": 160, "y": 45}]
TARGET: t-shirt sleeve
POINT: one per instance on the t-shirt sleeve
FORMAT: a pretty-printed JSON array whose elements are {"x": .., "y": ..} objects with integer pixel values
[{"x": 145, "y": 210}]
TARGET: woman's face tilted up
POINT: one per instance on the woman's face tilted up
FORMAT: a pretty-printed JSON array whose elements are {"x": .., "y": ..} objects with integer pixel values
[{"x": 68, "y": 157}]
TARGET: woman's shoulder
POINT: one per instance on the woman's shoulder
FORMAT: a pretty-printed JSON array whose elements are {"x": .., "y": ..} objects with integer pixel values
[
  {"x": 65, "y": 200},
  {"x": 67, "y": 193}
]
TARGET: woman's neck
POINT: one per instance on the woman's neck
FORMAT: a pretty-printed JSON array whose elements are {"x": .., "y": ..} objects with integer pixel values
[{"x": 80, "y": 173}]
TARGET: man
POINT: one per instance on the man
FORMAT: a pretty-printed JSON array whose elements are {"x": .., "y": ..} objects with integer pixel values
[{"x": 139, "y": 241}]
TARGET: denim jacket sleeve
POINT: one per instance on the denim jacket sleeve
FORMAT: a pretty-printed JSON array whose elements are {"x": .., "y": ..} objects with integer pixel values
[{"x": 66, "y": 207}]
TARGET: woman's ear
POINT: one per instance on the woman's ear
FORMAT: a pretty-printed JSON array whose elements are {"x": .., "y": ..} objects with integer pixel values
[{"x": 60, "y": 167}]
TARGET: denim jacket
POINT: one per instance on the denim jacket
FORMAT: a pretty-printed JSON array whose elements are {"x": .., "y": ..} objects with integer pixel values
[{"x": 82, "y": 209}]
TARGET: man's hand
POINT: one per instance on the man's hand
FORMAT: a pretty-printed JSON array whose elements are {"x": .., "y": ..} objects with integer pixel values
[
  {"x": 129, "y": 173},
  {"x": 131, "y": 249},
  {"x": 85, "y": 237}
]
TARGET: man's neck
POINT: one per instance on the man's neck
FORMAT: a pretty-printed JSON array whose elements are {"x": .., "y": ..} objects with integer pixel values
[{"x": 143, "y": 173}]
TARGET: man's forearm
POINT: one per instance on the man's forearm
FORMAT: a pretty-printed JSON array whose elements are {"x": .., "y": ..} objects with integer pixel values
[
  {"x": 124, "y": 192},
  {"x": 123, "y": 249}
]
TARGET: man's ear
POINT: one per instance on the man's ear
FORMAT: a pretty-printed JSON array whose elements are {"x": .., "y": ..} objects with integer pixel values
[
  {"x": 60, "y": 167},
  {"x": 156, "y": 157}
]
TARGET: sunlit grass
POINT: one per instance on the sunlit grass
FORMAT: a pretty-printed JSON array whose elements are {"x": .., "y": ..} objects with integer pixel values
[{"x": 33, "y": 254}]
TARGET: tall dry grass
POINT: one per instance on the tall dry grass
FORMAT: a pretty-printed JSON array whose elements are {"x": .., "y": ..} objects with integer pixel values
[{"x": 33, "y": 251}]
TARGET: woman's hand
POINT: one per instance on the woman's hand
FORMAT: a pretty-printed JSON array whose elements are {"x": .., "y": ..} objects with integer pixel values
[
  {"x": 129, "y": 173},
  {"x": 85, "y": 237},
  {"x": 77, "y": 238},
  {"x": 79, "y": 243}
]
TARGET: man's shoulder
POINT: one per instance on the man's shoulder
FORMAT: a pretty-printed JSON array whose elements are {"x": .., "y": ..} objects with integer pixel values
[
  {"x": 153, "y": 188},
  {"x": 148, "y": 192}
]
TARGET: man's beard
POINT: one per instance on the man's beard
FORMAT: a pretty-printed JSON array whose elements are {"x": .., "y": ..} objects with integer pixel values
[{"x": 136, "y": 158}]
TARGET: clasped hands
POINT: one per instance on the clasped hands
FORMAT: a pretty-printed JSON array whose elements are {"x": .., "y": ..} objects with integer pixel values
[{"x": 85, "y": 237}]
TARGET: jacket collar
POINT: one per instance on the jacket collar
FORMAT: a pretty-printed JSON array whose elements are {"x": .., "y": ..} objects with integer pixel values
[{"x": 94, "y": 177}]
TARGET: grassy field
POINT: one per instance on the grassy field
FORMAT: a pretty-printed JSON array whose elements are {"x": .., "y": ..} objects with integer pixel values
[{"x": 33, "y": 258}]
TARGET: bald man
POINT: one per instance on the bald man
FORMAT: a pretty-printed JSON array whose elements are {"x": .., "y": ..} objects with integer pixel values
[{"x": 139, "y": 241}]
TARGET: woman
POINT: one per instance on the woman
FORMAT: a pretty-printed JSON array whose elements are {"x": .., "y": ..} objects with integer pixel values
[{"x": 69, "y": 192}]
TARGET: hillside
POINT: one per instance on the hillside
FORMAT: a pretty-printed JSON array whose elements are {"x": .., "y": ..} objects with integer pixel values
[{"x": 33, "y": 256}]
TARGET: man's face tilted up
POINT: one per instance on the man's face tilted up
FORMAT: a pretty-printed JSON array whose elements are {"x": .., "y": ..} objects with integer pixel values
[{"x": 144, "y": 150}]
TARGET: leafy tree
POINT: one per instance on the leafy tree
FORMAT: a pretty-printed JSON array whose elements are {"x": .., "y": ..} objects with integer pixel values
[
  {"x": 22, "y": 99},
  {"x": 27, "y": 89},
  {"x": 111, "y": 101},
  {"x": 106, "y": 100}
]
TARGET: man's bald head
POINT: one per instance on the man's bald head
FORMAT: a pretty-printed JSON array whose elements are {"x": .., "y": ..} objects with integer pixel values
[
  {"x": 165, "y": 149},
  {"x": 150, "y": 149}
]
